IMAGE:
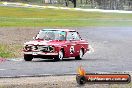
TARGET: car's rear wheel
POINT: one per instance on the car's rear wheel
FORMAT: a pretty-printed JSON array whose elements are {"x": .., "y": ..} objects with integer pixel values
[
  {"x": 59, "y": 56},
  {"x": 28, "y": 57},
  {"x": 79, "y": 57}
]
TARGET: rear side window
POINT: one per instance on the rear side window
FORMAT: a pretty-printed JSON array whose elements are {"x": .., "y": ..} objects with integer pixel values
[{"x": 73, "y": 36}]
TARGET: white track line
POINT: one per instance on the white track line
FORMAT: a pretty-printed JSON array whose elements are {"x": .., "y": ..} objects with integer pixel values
[
  {"x": 64, "y": 8},
  {"x": 2, "y": 69},
  {"x": 15, "y": 59}
]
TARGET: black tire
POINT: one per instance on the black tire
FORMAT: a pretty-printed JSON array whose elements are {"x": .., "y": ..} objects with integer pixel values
[
  {"x": 59, "y": 56},
  {"x": 28, "y": 57},
  {"x": 79, "y": 57},
  {"x": 81, "y": 80}
]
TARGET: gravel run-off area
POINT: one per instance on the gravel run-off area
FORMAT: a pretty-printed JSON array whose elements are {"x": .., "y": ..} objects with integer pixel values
[{"x": 53, "y": 82}]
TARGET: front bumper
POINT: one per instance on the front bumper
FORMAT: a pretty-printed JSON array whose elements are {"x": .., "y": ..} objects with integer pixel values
[{"x": 40, "y": 53}]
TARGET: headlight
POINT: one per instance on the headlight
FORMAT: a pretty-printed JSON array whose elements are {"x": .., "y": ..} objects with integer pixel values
[
  {"x": 51, "y": 48},
  {"x": 28, "y": 47}
]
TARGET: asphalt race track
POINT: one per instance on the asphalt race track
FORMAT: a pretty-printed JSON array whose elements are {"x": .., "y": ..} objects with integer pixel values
[{"x": 112, "y": 52}]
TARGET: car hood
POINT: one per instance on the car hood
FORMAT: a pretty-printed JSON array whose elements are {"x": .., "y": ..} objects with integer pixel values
[{"x": 45, "y": 42}]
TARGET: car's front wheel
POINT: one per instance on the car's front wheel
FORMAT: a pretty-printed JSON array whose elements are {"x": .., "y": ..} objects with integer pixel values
[
  {"x": 59, "y": 56},
  {"x": 28, "y": 57},
  {"x": 79, "y": 57}
]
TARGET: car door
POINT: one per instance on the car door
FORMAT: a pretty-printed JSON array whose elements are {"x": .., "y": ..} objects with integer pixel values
[
  {"x": 74, "y": 44},
  {"x": 77, "y": 42}
]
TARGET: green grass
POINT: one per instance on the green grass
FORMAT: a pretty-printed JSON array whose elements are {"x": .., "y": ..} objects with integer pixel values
[
  {"x": 31, "y": 17},
  {"x": 8, "y": 51},
  {"x": 4, "y": 51}
]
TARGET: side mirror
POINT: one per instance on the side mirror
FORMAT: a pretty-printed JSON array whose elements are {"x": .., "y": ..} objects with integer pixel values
[{"x": 82, "y": 39}]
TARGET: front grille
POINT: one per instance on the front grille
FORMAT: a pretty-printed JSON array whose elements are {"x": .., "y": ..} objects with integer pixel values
[
  {"x": 39, "y": 48},
  {"x": 45, "y": 49},
  {"x": 35, "y": 48}
]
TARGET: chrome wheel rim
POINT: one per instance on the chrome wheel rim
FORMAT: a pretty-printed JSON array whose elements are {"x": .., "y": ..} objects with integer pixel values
[
  {"x": 60, "y": 55},
  {"x": 81, "y": 53}
]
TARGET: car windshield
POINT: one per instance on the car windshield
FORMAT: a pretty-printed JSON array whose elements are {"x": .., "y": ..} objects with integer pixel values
[{"x": 51, "y": 35}]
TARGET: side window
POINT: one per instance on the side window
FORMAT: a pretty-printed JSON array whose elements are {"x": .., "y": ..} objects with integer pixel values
[
  {"x": 76, "y": 36},
  {"x": 69, "y": 36},
  {"x": 73, "y": 36}
]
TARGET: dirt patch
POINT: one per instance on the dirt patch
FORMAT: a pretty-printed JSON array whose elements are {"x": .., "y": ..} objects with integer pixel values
[{"x": 17, "y": 36}]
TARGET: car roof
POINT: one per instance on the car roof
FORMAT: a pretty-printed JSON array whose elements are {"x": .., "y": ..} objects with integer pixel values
[{"x": 67, "y": 30}]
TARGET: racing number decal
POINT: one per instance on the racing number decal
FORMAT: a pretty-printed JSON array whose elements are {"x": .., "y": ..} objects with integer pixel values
[{"x": 71, "y": 49}]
